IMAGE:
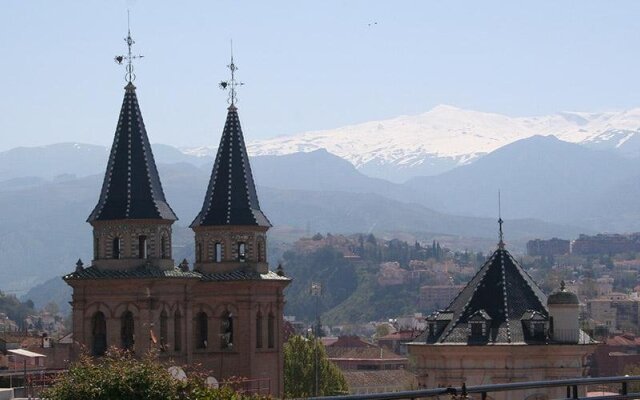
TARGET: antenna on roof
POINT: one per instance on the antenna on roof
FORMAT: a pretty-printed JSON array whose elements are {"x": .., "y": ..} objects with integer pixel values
[
  {"x": 129, "y": 76},
  {"x": 231, "y": 84},
  {"x": 500, "y": 222}
]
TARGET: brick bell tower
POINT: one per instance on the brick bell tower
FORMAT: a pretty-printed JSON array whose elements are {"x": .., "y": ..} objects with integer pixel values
[
  {"x": 123, "y": 298},
  {"x": 227, "y": 313},
  {"x": 132, "y": 220},
  {"x": 239, "y": 296}
]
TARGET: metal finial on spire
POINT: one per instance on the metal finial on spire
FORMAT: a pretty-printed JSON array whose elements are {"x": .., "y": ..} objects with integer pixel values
[
  {"x": 231, "y": 84},
  {"x": 500, "y": 222},
  {"x": 129, "y": 76}
]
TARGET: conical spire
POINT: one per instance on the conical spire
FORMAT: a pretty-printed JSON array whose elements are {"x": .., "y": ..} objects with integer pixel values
[
  {"x": 503, "y": 294},
  {"x": 131, "y": 187},
  {"x": 231, "y": 197}
]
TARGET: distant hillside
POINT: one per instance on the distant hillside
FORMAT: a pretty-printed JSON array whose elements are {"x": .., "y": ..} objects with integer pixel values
[
  {"x": 74, "y": 159},
  {"x": 43, "y": 230},
  {"x": 353, "y": 288}
]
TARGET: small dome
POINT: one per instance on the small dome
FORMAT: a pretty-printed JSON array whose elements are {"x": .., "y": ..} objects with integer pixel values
[{"x": 563, "y": 296}]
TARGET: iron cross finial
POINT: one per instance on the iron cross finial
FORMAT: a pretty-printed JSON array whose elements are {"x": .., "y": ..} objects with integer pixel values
[
  {"x": 231, "y": 84},
  {"x": 500, "y": 222},
  {"x": 129, "y": 76}
]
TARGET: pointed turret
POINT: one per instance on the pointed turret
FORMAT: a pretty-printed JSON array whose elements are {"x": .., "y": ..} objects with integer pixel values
[
  {"x": 132, "y": 220},
  {"x": 230, "y": 228},
  {"x": 131, "y": 187},
  {"x": 231, "y": 197},
  {"x": 498, "y": 305},
  {"x": 501, "y": 304}
]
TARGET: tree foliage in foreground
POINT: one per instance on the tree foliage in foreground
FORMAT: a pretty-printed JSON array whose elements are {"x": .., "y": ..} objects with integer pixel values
[
  {"x": 119, "y": 376},
  {"x": 299, "y": 370}
]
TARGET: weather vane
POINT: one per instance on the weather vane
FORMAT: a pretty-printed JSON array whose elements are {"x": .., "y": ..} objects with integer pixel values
[
  {"x": 130, "y": 76},
  {"x": 500, "y": 222},
  {"x": 231, "y": 84}
]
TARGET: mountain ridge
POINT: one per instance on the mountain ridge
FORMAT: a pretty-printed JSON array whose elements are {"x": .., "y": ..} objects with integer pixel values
[{"x": 446, "y": 136}]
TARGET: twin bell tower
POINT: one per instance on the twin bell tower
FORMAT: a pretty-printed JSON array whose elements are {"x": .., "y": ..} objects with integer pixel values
[{"x": 225, "y": 313}]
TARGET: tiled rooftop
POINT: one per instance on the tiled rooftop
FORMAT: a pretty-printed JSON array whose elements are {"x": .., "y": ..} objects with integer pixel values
[{"x": 176, "y": 273}]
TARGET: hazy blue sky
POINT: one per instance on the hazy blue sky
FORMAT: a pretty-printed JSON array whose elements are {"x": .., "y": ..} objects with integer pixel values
[{"x": 307, "y": 65}]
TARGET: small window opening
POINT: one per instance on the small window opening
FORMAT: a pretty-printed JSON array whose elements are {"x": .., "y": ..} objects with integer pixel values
[
  {"x": 142, "y": 247},
  {"x": 226, "y": 331},
  {"x": 199, "y": 252},
  {"x": 99, "y": 332},
  {"x": 96, "y": 248},
  {"x": 259, "y": 330},
  {"x": 271, "y": 331},
  {"x": 163, "y": 330},
  {"x": 202, "y": 330},
  {"x": 127, "y": 330},
  {"x": 163, "y": 247},
  {"x": 116, "y": 247},
  {"x": 260, "y": 259},
  {"x": 476, "y": 329},
  {"x": 242, "y": 252},
  {"x": 538, "y": 329},
  {"x": 177, "y": 331},
  {"x": 218, "y": 252}
]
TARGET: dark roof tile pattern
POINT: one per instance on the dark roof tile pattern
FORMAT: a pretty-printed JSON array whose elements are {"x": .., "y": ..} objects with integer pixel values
[
  {"x": 504, "y": 292},
  {"x": 231, "y": 197},
  {"x": 131, "y": 187},
  {"x": 145, "y": 272}
]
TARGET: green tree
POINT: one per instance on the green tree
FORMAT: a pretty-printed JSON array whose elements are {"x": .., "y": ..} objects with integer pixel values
[
  {"x": 299, "y": 370},
  {"x": 120, "y": 376},
  {"x": 382, "y": 330}
]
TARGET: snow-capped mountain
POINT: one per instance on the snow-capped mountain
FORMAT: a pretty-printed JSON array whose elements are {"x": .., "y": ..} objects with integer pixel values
[{"x": 446, "y": 137}]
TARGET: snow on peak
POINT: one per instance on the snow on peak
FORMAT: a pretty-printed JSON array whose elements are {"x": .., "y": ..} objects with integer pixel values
[{"x": 446, "y": 132}]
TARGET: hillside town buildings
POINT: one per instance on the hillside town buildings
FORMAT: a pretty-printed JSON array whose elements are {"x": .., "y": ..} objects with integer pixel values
[{"x": 585, "y": 245}]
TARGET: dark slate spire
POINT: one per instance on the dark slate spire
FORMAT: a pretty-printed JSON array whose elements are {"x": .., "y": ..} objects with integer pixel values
[
  {"x": 231, "y": 197},
  {"x": 131, "y": 187},
  {"x": 502, "y": 294}
]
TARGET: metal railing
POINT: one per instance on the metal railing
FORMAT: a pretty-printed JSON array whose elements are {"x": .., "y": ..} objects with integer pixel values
[{"x": 462, "y": 392}]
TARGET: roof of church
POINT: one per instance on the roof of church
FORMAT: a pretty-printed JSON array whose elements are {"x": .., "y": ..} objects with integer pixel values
[
  {"x": 502, "y": 294},
  {"x": 131, "y": 187},
  {"x": 231, "y": 197},
  {"x": 154, "y": 272}
]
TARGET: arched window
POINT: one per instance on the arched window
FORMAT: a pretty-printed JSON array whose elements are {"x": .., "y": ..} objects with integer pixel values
[
  {"x": 96, "y": 248},
  {"x": 163, "y": 330},
  {"x": 99, "y": 334},
  {"x": 127, "y": 330},
  {"x": 199, "y": 252},
  {"x": 242, "y": 251},
  {"x": 218, "y": 252},
  {"x": 116, "y": 247},
  {"x": 142, "y": 247},
  {"x": 226, "y": 330},
  {"x": 163, "y": 247},
  {"x": 177, "y": 331},
  {"x": 259, "y": 330},
  {"x": 260, "y": 251},
  {"x": 202, "y": 330},
  {"x": 271, "y": 331}
]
